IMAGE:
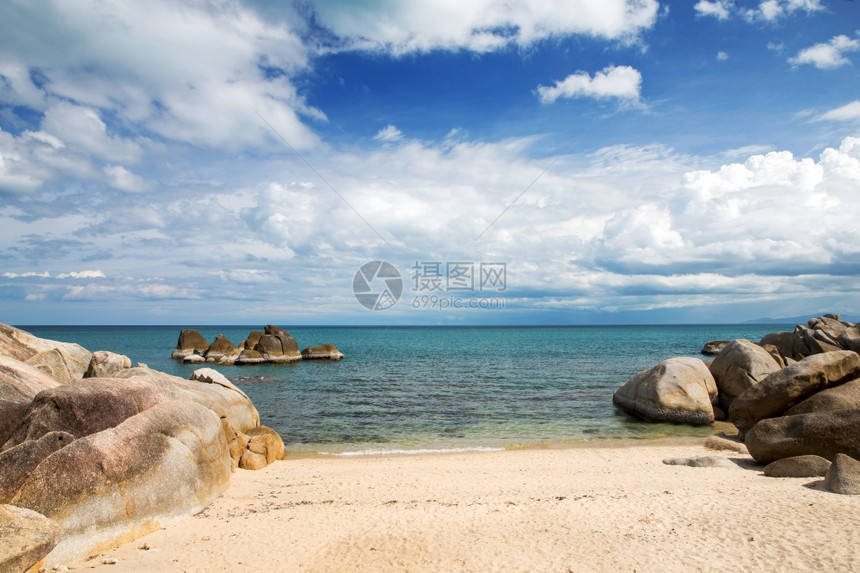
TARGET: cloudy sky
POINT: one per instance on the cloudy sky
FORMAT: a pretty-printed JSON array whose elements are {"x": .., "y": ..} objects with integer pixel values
[{"x": 237, "y": 162}]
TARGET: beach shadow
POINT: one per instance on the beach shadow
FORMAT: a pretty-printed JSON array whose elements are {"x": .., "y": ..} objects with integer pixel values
[
  {"x": 747, "y": 463},
  {"x": 817, "y": 485}
]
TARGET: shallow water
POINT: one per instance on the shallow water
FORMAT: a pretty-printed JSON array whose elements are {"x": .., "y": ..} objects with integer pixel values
[{"x": 406, "y": 389}]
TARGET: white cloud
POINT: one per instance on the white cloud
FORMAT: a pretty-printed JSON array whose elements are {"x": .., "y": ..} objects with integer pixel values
[
  {"x": 96, "y": 274},
  {"x": 772, "y": 10},
  {"x": 43, "y": 275},
  {"x": 847, "y": 112},
  {"x": 66, "y": 124},
  {"x": 623, "y": 82},
  {"x": 388, "y": 133},
  {"x": 480, "y": 25},
  {"x": 722, "y": 56},
  {"x": 718, "y": 9},
  {"x": 121, "y": 178},
  {"x": 827, "y": 56}
]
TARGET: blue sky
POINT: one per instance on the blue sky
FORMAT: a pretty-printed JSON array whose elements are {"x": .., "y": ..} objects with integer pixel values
[{"x": 628, "y": 161}]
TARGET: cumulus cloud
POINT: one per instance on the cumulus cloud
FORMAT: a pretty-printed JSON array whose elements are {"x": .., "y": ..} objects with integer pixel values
[
  {"x": 719, "y": 9},
  {"x": 622, "y": 82},
  {"x": 847, "y": 112},
  {"x": 772, "y": 10},
  {"x": 829, "y": 55},
  {"x": 96, "y": 274},
  {"x": 480, "y": 25},
  {"x": 388, "y": 133}
]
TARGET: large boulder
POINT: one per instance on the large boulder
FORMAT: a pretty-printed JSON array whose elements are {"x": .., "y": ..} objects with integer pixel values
[
  {"x": 19, "y": 384},
  {"x": 27, "y": 537},
  {"x": 264, "y": 446},
  {"x": 106, "y": 364},
  {"x": 822, "y": 434},
  {"x": 18, "y": 461},
  {"x": 21, "y": 345},
  {"x": 190, "y": 342},
  {"x": 113, "y": 486},
  {"x": 59, "y": 365},
  {"x": 248, "y": 356},
  {"x": 252, "y": 340},
  {"x": 843, "y": 476},
  {"x": 678, "y": 390},
  {"x": 843, "y": 397},
  {"x": 322, "y": 352},
  {"x": 276, "y": 345},
  {"x": 85, "y": 408},
  {"x": 222, "y": 351},
  {"x": 738, "y": 366},
  {"x": 784, "y": 388}
]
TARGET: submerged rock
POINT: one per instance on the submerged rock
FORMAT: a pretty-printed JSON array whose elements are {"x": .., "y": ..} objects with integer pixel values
[{"x": 322, "y": 352}]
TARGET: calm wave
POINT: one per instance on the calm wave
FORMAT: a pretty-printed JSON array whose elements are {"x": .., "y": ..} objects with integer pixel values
[{"x": 438, "y": 388}]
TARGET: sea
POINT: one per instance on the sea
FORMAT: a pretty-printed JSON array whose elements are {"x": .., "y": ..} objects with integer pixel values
[{"x": 403, "y": 390}]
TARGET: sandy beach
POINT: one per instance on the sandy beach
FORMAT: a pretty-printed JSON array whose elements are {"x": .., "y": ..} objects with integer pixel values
[{"x": 576, "y": 509}]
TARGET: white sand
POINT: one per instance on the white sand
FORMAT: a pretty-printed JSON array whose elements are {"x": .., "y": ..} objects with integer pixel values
[{"x": 613, "y": 509}]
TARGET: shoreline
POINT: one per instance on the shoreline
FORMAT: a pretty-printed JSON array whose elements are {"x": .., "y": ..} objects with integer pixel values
[{"x": 616, "y": 508}]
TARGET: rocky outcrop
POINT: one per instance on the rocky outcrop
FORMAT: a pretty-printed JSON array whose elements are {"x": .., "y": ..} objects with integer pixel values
[
  {"x": 27, "y": 537},
  {"x": 740, "y": 365},
  {"x": 822, "y": 434},
  {"x": 106, "y": 364},
  {"x": 115, "y": 485},
  {"x": 798, "y": 466},
  {"x": 714, "y": 347},
  {"x": 679, "y": 390},
  {"x": 23, "y": 346},
  {"x": 784, "y": 388},
  {"x": 843, "y": 476},
  {"x": 222, "y": 351},
  {"x": 190, "y": 342},
  {"x": 19, "y": 384},
  {"x": 823, "y": 334},
  {"x": 843, "y": 397},
  {"x": 322, "y": 352}
]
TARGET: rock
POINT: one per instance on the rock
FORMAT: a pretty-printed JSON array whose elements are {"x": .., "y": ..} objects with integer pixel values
[
  {"x": 843, "y": 397},
  {"x": 22, "y": 346},
  {"x": 843, "y": 476},
  {"x": 19, "y": 384},
  {"x": 850, "y": 339},
  {"x": 116, "y": 485},
  {"x": 822, "y": 434},
  {"x": 252, "y": 340},
  {"x": 27, "y": 537},
  {"x": 784, "y": 388},
  {"x": 740, "y": 365},
  {"x": 237, "y": 443},
  {"x": 194, "y": 359},
  {"x": 797, "y": 467},
  {"x": 106, "y": 364},
  {"x": 222, "y": 351},
  {"x": 266, "y": 441},
  {"x": 322, "y": 352},
  {"x": 276, "y": 345},
  {"x": 225, "y": 399},
  {"x": 679, "y": 390},
  {"x": 252, "y": 461},
  {"x": 250, "y": 357},
  {"x": 59, "y": 366},
  {"x": 721, "y": 443},
  {"x": 82, "y": 409},
  {"x": 18, "y": 461},
  {"x": 701, "y": 462},
  {"x": 190, "y": 342},
  {"x": 714, "y": 347}
]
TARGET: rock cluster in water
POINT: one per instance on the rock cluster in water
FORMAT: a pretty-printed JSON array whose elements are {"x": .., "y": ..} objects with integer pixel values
[
  {"x": 272, "y": 346},
  {"x": 95, "y": 452},
  {"x": 793, "y": 396}
]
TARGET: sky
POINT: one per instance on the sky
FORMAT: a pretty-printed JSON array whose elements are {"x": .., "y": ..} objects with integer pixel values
[{"x": 514, "y": 162}]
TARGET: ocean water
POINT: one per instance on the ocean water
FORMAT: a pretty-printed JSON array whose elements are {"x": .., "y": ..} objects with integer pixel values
[{"x": 411, "y": 389}]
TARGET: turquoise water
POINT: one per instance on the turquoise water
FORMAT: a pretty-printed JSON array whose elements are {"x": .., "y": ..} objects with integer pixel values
[{"x": 438, "y": 388}]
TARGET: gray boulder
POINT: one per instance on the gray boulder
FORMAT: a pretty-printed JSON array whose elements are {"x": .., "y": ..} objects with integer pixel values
[
  {"x": 83, "y": 409},
  {"x": 27, "y": 537},
  {"x": 678, "y": 390},
  {"x": 190, "y": 342},
  {"x": 843, "y": 476},
  {"x": 850, "y": 339},
  {"x": 277, "y": 346},
  {"x": 19, "y": 384},
  {"x": 843, "y": 397},
  {"x": 740, "y": 365},
  {"x": 822, "y": 434},
  {"x": 106, "y": 364},
  {"x": 152, "y": 469},
  {"x": 784, "y": 388},
  {"x": 798, "y": 466},
  {"x": 714, "y": 347},
  {"x": 701, "y": 462}
]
